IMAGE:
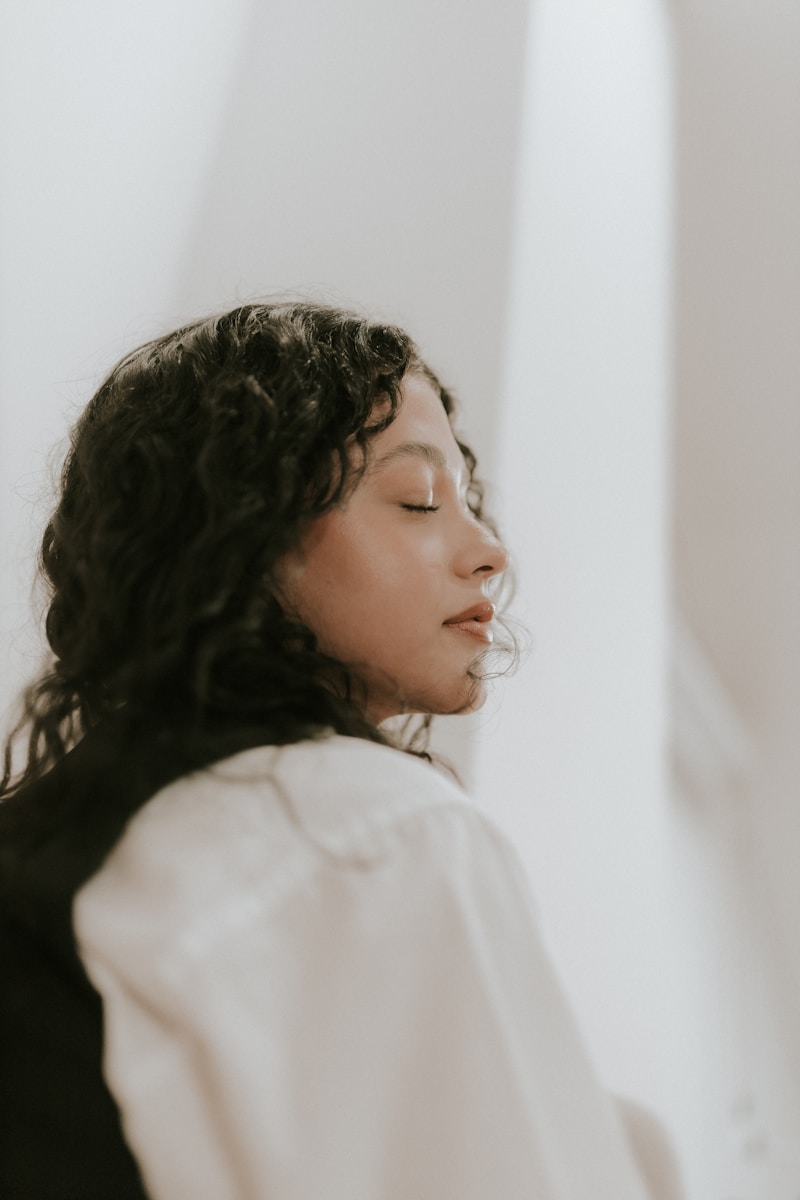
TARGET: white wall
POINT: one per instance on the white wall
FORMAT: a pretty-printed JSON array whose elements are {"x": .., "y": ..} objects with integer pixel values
[
  {"x": 108, "y": 118},
  {"x": 573, "y": 760},
  {"x": 737, "y": 513},
  {"x": 369, "y": 152},
  {"x": 649, "y": 897}
]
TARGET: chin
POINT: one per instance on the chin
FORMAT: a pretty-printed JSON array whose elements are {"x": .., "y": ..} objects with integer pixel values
[
  {"x": 467, "y": 698},
  {"x": 476, "y": 698},
  {"x": 456, "y": 698}
]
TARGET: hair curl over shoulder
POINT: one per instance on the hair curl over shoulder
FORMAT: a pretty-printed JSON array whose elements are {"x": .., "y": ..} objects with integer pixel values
[{"x": 192, "y": 470}]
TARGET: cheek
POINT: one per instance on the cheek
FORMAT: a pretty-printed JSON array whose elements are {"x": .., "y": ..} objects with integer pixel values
[
  {"x": 329, "y": 581},
  {"x": 366, "y": 589},
  {"x": 368, "y": 561}
]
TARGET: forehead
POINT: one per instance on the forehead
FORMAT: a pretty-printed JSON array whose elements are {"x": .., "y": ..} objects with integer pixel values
[{"x": 421, "y": 430}]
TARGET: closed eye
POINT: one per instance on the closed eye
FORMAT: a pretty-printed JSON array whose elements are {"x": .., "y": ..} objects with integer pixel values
[{"x": 424, "y": 508}]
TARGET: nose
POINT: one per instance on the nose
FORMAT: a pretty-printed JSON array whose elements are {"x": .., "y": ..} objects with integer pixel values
[{"x": 484, "y": 555}]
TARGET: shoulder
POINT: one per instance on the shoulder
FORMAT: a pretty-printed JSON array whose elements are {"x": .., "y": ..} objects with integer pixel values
[
  {"x": 236, "y": 841},
  {"x": 338, "y": 791},
  {"x": 349, "y": 792}
]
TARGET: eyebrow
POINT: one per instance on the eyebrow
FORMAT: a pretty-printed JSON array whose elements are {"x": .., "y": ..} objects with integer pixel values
[{"x": 424, "y": 450}]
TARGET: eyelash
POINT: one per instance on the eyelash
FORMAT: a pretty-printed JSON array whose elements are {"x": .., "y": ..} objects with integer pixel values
[{"x": 421, "y": 508}]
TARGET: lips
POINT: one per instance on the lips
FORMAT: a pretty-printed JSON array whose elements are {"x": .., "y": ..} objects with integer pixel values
[{"x": 474, "y": 621}]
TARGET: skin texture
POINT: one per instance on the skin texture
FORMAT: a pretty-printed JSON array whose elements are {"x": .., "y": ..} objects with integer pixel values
[{"x": 377, "y": 579}]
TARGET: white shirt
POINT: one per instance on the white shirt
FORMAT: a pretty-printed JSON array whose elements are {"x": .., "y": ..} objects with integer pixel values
[{"x": 322, "y": 979}]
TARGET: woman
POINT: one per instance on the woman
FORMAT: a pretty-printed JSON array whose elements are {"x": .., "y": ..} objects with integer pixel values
[{"x": 254, "y": 949}]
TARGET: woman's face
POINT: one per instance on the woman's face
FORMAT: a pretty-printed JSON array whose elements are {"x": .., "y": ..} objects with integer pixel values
[{"x": 394, "y": 583}]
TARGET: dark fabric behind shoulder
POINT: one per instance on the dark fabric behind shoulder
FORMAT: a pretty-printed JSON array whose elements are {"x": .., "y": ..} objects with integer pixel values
[{"x": 60, "y": 1132}]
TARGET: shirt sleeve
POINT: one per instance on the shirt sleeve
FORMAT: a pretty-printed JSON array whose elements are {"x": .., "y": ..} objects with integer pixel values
[{"x": 382, "y": 1028}]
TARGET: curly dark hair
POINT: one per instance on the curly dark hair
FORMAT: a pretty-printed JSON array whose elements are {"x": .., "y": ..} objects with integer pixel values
[{"x": 192, "y": 470}]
